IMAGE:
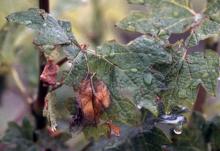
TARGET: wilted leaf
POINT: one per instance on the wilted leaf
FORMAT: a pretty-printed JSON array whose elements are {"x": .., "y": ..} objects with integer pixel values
[
  {"x": 93, "y": 97},
  {"x": 49, "y": 74},
  {"x": 56, "y": 111},
  {"x": 85, "y": 100},
  {"x": 50, "y": 111},
  {"x": 102, "y": 95},
  {"x": 114, "y": 130}
]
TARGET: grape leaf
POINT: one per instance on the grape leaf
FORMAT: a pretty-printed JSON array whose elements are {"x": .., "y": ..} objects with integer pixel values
[
  {"x": 209, "y": 28},
  {"x": 20, "y": 138},
  {"x": 49, "y": 30},
  {"x": 57, "y": 107},
  {"x": 126, "y": 72},
  {"x": 184, "y": 77},
  {"x": 213, "y": 7},
  {"x": 133, "y": 139},
  {"x": 178, "y": 17},
  {"x": 170, "y": 16}
]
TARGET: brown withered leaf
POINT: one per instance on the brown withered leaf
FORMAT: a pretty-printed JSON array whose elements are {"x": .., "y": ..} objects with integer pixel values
[
  {"x": 93, "y": 98},
  {"x": 114, "y": 129},
  {"x": 102, "y": 94},
  {"x": 49, "y": 73},
  {"x": 84, "y": 98}
]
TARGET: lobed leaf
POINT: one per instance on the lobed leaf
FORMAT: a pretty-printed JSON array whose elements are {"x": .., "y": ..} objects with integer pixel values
[
  {"x": 166, "y": 17},
  {"x": 184, "y": 76}
]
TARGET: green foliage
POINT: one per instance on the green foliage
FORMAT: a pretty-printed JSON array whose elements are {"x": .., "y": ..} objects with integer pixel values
[
  {"x": 133, "y": 138},
  {"x": 184, "y": 76},
  {"x": 50, "y": 31},
  {"x": 126, "y": 70},
  {"x": 20, "y": 138},
  {"x": 172, "y": 16},
  {"x": 143, "y": 137},
  {"x": 177, "y": 19},
  {"x": 138, "y": 72},
  {"x": 198, "y": 136}
]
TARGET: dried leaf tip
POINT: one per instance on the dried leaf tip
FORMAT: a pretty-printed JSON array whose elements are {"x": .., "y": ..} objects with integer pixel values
[
  {"x": 49, "y": 73},
  {"x": 114, "y": 129}
]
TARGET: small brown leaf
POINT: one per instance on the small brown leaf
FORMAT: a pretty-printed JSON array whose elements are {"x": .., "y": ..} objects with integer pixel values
[
  {"x": 53, "y": 133},
  {"x": 114, "y": 129},
  {"x": 49, "y": 73},
  {"x": 84, "y": 97},
  {"x": 92, "y": 99},
  {"x": 102, "y": 94}
]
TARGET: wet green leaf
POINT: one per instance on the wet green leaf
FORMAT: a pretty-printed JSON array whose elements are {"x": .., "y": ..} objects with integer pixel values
[
  {"x": 184, "y": 77},
  {"x": 125, "y": 72},
  {"x": 21, "y": 138},
  {"x": 49, "y": 30},
  {"x": 133, "y": 139},
  {"x": 177, "y": 19}
]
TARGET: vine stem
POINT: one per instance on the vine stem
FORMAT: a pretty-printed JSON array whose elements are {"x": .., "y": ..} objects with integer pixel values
[
  {"x": 38, "y": 105},
  {"x": 182, "y": 6}
]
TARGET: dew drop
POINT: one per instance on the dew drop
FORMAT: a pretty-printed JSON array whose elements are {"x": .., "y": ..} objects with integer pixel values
[
  {"x": 178, "y": 132},
  {"x": 139, "y": 106},
  {"x": 133, "y": 70},
  {"x": 178, "y": 129},
  {"x": 27, "y": 22},
  {"x": 112, "y": 54}
]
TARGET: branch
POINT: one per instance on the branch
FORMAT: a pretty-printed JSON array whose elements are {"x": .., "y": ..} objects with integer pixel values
[{"x": 38, "y": 105}]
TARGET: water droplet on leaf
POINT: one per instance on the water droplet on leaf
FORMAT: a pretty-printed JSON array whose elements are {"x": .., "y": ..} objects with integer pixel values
[
  {"x": 27, "y": 22},
  {"x": 133, "y": 70},
  {"x": 139, "y": 106},
  {"x": 178, "y": 129},
  {"x": 148, "y": 78}
]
